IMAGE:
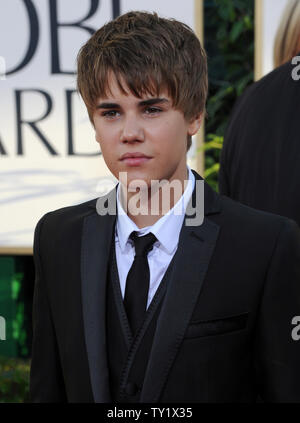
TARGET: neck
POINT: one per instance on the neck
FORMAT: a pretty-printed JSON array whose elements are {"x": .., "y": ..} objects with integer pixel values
[{"x": 146, "y": 207}]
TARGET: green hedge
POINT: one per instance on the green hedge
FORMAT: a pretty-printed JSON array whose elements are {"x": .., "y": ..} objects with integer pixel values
[
  {"x": 229, "y": 43},
  {"x": 14, "y": 380}
]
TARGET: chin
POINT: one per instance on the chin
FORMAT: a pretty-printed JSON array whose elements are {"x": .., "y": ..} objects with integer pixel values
[{"x": 135, "y": 173}]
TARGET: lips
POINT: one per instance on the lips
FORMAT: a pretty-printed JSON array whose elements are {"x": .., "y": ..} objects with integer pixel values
[
  {"x": 134, "y": 156},
  {"x": 135, "y": 159}
]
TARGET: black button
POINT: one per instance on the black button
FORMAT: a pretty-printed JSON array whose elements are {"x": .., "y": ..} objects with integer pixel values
[{"x": 131, "y": 388}]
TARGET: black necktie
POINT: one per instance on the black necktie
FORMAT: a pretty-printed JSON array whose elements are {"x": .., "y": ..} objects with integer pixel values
[{"x": 137, "y": 282}]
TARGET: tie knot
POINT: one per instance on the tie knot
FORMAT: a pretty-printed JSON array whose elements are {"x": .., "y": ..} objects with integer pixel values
[{"x": 143, "y": 244}]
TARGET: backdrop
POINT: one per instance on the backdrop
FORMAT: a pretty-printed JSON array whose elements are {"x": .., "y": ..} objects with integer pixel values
[{"x": 48, "y": 155}]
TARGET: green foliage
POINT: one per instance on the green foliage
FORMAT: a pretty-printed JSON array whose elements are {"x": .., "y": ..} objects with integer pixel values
[
  {"x": 14, "y": 380},
  {"x": 213, "y": 143},
  {"x": 19, "y": 332},
  {"x": 229, "y": 43}
]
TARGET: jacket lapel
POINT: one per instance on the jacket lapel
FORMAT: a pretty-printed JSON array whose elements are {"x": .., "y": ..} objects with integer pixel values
[
  {"x": 96, "y": 240},
  {"x": 195, "y": 249}
]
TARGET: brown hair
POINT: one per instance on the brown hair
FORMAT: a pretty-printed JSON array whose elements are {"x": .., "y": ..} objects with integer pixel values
[
  {"x": 287, "y": 40},
  {"x": 149, "y": 53}
]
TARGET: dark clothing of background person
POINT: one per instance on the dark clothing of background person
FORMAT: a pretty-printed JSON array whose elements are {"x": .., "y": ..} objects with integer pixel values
[{"x": 260, "y": 160}]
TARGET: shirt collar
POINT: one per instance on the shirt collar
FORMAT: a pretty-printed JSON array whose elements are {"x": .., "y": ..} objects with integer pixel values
[{"x": 166, "y": 229}]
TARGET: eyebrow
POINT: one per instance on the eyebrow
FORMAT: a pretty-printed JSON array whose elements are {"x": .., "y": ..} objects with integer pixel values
[{"x": 142, "y": 103}]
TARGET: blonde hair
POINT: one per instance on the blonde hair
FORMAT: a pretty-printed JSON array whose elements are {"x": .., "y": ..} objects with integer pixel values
[{"x": 287, "y": 40}]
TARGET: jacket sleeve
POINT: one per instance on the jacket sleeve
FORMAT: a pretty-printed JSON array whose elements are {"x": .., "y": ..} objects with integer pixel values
[
  {"x": 223, "y": 182},
  {"x": 232, "y": 140},
  {"x": 222, "y": 179},
  {"x": 46, "y": 379},
  {"x": 277, "y": 354}
]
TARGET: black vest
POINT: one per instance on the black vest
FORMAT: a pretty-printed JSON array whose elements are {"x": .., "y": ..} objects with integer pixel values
[{"x": 127, "y": 357}]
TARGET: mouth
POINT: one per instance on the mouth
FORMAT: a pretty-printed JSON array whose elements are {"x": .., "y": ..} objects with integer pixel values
[
  {"x": 135, "y": 158},
  {"x": 135, "y": 161}
]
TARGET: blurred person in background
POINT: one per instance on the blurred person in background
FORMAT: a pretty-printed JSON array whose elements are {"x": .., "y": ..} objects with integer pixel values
[
  {"x": 261, "y": 151},
  {"x": 287, "y": 40}
]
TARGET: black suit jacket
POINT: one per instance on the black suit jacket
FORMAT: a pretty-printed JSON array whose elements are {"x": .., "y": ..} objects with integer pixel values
[
  {"x": 261, "y": 152},
  {"x": 224, "y": 331}
]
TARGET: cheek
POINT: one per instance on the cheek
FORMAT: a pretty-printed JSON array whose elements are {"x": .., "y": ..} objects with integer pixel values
[
  {"x": 106, "y": 141},
  {"x": 108, "y": 154},
  {"x": 103, "y": 130},
  {"x": 166, "y": 134},
  {"x": 174, "y": 135}
]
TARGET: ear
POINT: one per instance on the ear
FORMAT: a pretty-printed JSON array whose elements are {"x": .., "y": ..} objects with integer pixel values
[{"x": 195, "y": 124}]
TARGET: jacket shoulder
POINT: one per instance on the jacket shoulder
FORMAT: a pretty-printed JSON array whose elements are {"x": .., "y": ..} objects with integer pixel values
[
  {"x": 76, "y": 209},
  {"x": 243, "y": 216},
  {"x": 64, "y": 216}
]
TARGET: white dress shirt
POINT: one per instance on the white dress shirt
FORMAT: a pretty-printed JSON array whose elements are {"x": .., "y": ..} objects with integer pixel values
[{"x": 166, "y": 230}]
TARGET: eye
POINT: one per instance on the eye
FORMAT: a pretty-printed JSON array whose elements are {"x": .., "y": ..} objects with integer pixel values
[
  {"x": 152, "y": 110},
  {"x": 109, "y": 113}
]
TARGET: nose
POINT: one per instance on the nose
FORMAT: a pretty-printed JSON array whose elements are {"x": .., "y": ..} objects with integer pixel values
[{"x": 132, "y": 129}]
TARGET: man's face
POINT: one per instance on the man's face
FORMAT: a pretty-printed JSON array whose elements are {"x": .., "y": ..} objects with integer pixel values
[{"x": 148, "y": 126}]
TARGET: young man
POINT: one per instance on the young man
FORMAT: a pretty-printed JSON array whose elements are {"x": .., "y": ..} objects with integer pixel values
[{"x": 135, "y": 307}]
